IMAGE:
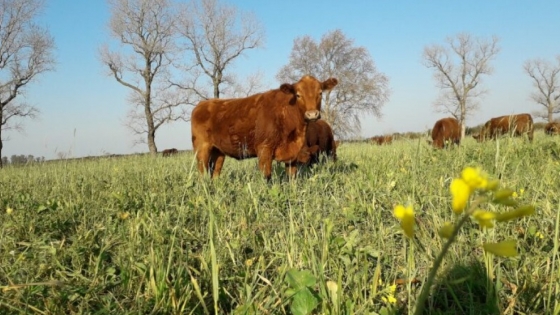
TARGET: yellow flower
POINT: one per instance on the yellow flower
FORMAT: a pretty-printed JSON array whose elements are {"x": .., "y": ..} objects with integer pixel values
[
  {"x": 124, "y": 215},
  {"x": 521, "y": 191},
  {"x": 390, "y": 299},
  {"x": 461, "y": 192},
  {"x": 522, "y": 211},
  {"x": 514, "y": 195},
  {"x": 475, "y": 178},
  {"x": 9, "y": 211},
  {"x": 406, "y": 217},
  {"x": 249, "y": 262},
  {"x": 393, "y": 288},
  {"x": 446, "y": 230},
  {"x": 484, "y": 218},
  {"x": 539, "y": 235},
  {"x": 504, "y": 249}
]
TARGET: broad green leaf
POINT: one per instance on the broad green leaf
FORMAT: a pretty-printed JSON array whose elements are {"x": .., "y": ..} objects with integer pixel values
[
  {"x": 303, "y": 302},
  {"x": 300, "y": 279}
]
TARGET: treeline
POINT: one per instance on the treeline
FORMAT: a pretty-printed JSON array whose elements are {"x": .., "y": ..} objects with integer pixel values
[{"x": 22, "y": 159}]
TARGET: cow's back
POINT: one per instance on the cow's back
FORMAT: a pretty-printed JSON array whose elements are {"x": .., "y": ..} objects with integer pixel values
[{"x": 227, "y": 124}]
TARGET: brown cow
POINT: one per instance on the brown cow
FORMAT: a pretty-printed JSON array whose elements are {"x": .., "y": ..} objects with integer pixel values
[
  {"x": 169, "y": 152},
  {"x": 269, "y": 126},
  {"x": 306, "y": 154},
  {"x": 320, "y": 133},
  {"x": 517, "y": 124},
  {"x": 381, "y": 140},
  {"x": 552, "y": 128},
  {"x": 446, "y": 130}
]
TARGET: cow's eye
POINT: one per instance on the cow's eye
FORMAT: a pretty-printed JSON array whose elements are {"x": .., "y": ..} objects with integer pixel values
[{"x": 297, "y": 95}]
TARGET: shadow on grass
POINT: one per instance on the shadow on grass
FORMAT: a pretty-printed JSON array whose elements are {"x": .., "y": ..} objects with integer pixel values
[{"x": 463, "y": 289}]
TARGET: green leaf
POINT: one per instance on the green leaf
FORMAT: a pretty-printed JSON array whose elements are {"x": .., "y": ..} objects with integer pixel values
[
  {"x": 42, "y": 208},
  {"x": 303, "y": 302},
  {"x": 300, "y": 279}
]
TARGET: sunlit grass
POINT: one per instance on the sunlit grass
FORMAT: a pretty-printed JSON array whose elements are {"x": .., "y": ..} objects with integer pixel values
[{"x": 132, "y": 235}]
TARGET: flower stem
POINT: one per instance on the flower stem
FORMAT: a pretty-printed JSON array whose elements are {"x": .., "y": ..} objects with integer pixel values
[{"x": 439, "y": 259}]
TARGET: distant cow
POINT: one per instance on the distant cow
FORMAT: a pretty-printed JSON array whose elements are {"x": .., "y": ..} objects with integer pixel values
[
  {"x": 381, "y": 140},
  {"x": 446, "y": 130},
  {"x": 169, "y": 152},
  {"x": 320, "y": 133},
  {"x": 552, "y": 128},
  {"x": 515, "y": 124},
  {"x": 269, "y": 126}
]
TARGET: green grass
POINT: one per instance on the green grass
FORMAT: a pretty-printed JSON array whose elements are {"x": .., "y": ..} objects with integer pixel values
[{"x": 142, "y": 235}]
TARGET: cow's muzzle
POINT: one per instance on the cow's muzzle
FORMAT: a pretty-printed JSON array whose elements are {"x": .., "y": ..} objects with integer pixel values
[{"x": 312, "y": 115}]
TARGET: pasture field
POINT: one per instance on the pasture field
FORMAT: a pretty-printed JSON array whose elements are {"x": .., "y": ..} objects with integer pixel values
[{"x": 142, "y": 235}]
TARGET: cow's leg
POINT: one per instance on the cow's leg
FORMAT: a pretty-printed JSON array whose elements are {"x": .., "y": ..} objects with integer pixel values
[
  {"x": 291, "y": 170},
  {"x": 265, "y": 162},
  {"x": 203, "y": 158},
  {"x": 216, "y": 161}
]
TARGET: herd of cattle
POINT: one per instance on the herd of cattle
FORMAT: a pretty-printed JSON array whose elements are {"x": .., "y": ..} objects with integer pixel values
[
  {"x": 447, "y": 131},
  {"x": 284, "y": 125}
]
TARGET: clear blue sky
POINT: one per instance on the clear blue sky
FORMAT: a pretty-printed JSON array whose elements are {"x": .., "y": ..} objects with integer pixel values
[{"x": 82, "y": 109}]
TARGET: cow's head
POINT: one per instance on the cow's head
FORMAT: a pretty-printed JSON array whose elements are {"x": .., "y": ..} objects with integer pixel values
[
  {"x": 307, "y": 95},
  {"x": 479, "y": 137},
  {"x": 306, "y": 153}
]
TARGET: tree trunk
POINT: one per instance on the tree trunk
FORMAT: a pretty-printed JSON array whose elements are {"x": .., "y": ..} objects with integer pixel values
[
  {"x": 462, "y": 119},
  {"x": 216, "y": 89},
  {"x": 150, "y": 123},
  {"x": 550, "y": 110},
  {"x": 152, "y": 140},
  {"x": 1, "y": 145}
]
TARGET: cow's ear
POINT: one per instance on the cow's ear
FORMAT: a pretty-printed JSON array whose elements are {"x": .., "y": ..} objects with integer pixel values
[
  {"x": 288, "y": 88},
  {"x": 329, "y": 84}
]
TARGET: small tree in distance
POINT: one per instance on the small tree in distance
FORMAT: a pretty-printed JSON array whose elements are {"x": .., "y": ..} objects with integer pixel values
[
  {"x": 546, "y": 80},
  {"x": 458, "y": 70},
  {"x": 361, "y": 88}
]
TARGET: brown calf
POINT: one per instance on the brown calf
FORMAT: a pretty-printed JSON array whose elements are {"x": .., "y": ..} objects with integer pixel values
[
  {"x": 446, "y": 130},
  {"x": 320, "y": 133}
]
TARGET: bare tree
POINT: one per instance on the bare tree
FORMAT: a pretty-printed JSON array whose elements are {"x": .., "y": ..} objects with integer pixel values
[
  {"x": 361, "y": 88},
  {"x": 243, "y": 87},
  {"x": 546, "y": 77},
  {"x": 216, "y": 34},
  {"x": 146, "y": 32},
  {"x": 26, "y": 50},
  {"x": 458, "y": 71}
]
